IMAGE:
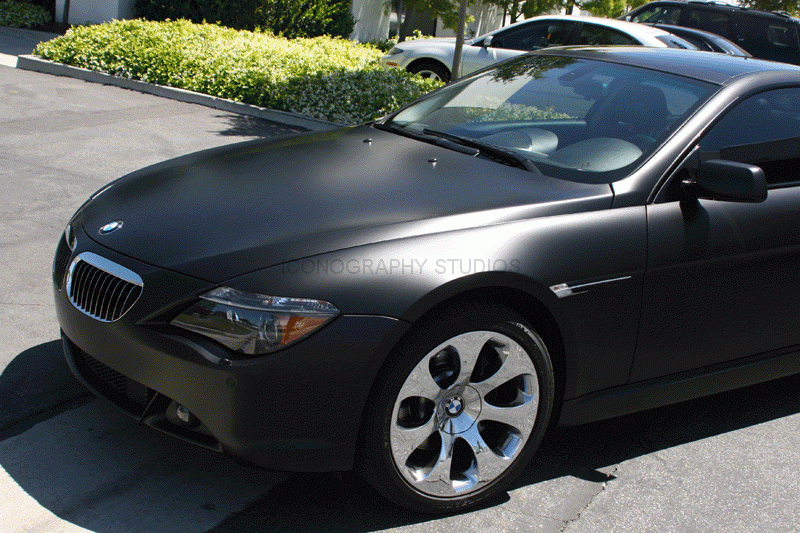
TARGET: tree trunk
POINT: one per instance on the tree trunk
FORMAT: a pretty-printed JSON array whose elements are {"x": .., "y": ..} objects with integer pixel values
[
  {"x": 514, "y": 12},
  {"x": 405, "y": 26},
  {"x": 462, "y": 24}
]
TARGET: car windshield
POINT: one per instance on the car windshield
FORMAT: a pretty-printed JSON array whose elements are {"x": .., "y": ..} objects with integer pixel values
[{"x": 575, "y": 119}]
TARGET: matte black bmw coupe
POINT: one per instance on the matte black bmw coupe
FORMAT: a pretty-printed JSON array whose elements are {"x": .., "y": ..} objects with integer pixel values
[{"x": 568, "y": 236}]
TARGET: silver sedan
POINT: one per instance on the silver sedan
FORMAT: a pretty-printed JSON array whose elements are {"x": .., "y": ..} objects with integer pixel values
[{"x": 433, "y": 58}]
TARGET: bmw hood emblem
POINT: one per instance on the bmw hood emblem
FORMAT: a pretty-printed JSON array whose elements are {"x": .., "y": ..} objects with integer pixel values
[{"x": 111, "y": 227}]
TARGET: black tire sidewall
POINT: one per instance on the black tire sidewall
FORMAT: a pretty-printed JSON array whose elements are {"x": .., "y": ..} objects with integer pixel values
[{"x": 433, "y": 66}]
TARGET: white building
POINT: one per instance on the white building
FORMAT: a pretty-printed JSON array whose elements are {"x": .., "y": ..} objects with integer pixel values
[
  {"x": 373, "y": 20},
  {"x": 372, "y": 17}
]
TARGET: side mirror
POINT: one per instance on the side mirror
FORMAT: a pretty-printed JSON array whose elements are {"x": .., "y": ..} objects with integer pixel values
[
  {"x": 487, "y": 41},
  {"x": 728, "y": 181}
]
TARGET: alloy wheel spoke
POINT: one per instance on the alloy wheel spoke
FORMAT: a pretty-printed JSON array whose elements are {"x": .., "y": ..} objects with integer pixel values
[
  {"x": 439, "y": 480},
  {"x": 420, "y": 383},
  {"x": 468, "y": 347},
  {"x": 406, "y": 440},
  {"x": 517, "y": 363},
  {"x": 488, "y": 465},
  {"x": 519, "y": 417}
]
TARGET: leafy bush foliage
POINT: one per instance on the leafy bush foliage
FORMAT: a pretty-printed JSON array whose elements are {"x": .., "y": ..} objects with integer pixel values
[
  {"x": 290, "y": 18},
  {"x": 22, "y": 15},
  {"x": 323, "y": 77}
]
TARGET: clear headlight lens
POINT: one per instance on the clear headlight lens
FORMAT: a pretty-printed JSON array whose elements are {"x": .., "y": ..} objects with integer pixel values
[
  {"x": 254, "y": 324},
  {"x": 393, "y": 51}
]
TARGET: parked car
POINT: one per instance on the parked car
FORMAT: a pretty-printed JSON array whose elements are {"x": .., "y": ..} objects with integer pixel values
[
  {"x": 704, "y": 40},
  {"x": 572, "y": 235},
  {"x": 764, "y": 35},
  {"x": 434, "y": 57}
]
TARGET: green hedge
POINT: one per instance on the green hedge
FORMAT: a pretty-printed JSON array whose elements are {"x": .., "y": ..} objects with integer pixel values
[
  {"x": 323, "y": 77},
  {"x": 22, "y": 15},
  {"x": 290, "y": 18}
]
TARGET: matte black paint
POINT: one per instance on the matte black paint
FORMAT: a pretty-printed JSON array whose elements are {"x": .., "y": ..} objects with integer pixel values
[
  {"x": 273, "y": 213},
  {"x": 696, "y": 296}
]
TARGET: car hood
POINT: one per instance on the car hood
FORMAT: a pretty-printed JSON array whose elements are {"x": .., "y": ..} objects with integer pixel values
[
  {"x": 424, "y": 42},
  {"x": 224, "y": 212}
]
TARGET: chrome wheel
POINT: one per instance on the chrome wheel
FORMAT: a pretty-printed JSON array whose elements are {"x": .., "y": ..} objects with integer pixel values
[{"x": 464, "y": 414}]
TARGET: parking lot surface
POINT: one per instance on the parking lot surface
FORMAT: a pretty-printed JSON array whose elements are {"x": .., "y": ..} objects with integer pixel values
[{"x": 69, "y": 462}]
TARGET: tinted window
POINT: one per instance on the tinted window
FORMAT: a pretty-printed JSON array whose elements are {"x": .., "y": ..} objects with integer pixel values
[
  {"x": 662, "y": 14},
  {"x": 601, "y": 36},
  {"x": 709, "y": 20},
  {"x": 533, "y": 36},
  {"x": 763, "y": 130},
  {"x": 768, "y": 39}
]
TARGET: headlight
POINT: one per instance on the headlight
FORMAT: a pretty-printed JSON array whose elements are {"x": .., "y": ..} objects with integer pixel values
[
  {"x": 254, "y": 324},
  {"x": 393, "y": 51}
]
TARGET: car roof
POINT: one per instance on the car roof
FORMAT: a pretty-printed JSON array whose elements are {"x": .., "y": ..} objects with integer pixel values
[
  {"x": 722, "y": 6},
  {"x": 719, "y": 40},
  {"x": 641, "y": 31},
  {"x": 705, "y": 66}
]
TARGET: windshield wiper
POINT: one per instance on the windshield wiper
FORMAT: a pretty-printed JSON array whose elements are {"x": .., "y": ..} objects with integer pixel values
[
  {"x": 426, "y": 135},
  {"x": 464, "y": 145},
  {"x": 501, "y": 155}
]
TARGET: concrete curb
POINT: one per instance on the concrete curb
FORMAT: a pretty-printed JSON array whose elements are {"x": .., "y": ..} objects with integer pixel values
[{"x": 29, "y": 62}]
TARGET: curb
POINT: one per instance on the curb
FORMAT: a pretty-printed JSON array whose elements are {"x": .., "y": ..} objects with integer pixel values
[{"x": 32, "y": 63}]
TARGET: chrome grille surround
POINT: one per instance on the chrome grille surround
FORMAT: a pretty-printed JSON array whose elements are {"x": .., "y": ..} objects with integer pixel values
[{"x": 101, "y": 288}]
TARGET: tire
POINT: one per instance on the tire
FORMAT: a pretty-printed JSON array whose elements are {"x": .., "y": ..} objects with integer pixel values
[
  {"x": 430, "y": 69},
  {"x": 458, "y": 410}
]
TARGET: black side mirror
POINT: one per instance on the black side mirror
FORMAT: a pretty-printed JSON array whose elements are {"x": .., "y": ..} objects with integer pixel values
[{"x": 727, "y": 181}]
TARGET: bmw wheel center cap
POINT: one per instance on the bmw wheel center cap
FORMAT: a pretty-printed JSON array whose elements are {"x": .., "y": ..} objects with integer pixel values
[{"x": 454, "y": 406}]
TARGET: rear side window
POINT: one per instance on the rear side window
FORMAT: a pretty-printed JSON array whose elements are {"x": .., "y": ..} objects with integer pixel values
[
  {"x": 602, "y": 36},
  {"x": 768, "y": 39},
  {"x": 710, "y": 20},
  {"x": 533, "y": 36},
  {"x": 659, "y": 14}
]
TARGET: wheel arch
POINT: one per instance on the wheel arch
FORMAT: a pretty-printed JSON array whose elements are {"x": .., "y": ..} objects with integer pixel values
[
  {"x": 433, "y": 61},
  {"x": 530, "y": 306},
  {"x": 496, "y": 299},
  {"x": 511, "y": 290}
]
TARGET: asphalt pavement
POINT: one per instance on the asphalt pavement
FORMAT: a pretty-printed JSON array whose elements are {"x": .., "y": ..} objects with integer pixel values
[{"x": 69, "y": 462}]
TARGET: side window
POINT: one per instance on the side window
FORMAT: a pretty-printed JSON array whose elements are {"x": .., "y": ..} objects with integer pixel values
[
  {"x": 534, "y": 36},
  {"x": 659, "y": 14},
  {"x": 768, "y": 39},
  {"x": 601, "y": 36},
  {"x": 763, "y": 130},
  {"x": 711, "y": 21}
]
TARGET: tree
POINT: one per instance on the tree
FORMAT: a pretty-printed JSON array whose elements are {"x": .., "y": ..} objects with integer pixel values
[
  {"x": 601, "y": 8},
  {"x": 605, "y": 8},
  {"x": 447, "y": 10},
  {"x": 790, "y": 6}
]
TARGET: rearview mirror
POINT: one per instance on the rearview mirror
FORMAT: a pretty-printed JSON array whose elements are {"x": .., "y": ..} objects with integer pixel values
[
  {"x": 730, "y": 181},
  {"x": 487, "y": 42}
]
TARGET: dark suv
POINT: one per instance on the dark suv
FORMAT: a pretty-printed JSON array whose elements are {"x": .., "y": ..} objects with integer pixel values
[{"x": 765, "y": 35}]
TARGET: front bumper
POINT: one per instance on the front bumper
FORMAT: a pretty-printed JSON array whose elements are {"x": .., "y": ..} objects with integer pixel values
[{"x": 298, "y": 409}]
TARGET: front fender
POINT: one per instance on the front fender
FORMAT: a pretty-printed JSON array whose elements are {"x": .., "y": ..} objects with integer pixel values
[{"x": 599, "y": 256}]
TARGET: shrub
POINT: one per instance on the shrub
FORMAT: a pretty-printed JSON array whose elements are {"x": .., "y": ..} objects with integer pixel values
[
  {"x": 22, "y": 15},
  {"x": 290, "y": 18},
  {"x": 347, "y": 96},
  {"x": 321, "y": 77}
]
